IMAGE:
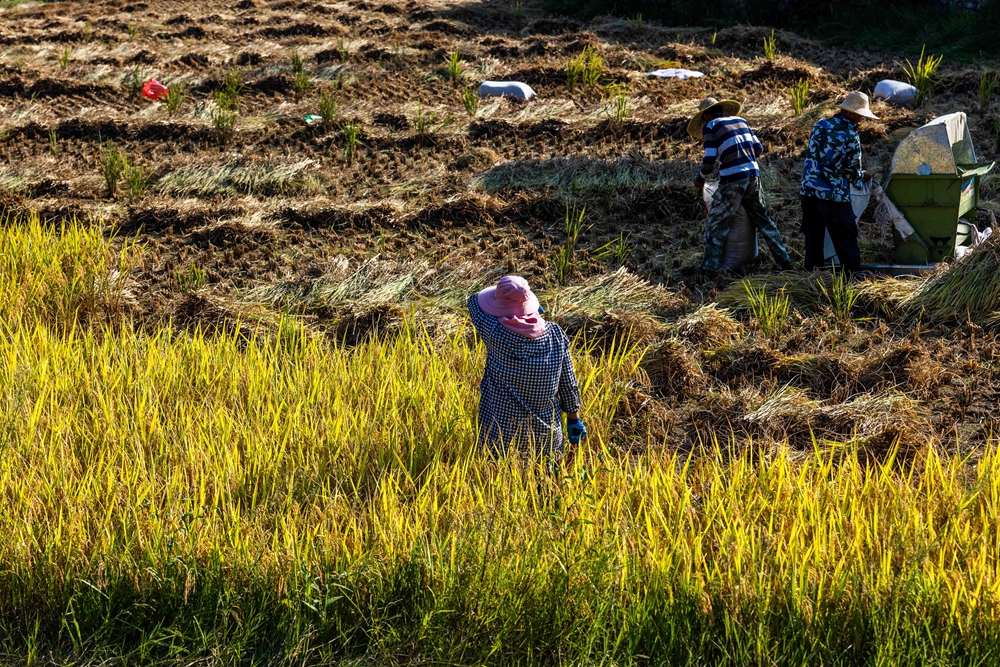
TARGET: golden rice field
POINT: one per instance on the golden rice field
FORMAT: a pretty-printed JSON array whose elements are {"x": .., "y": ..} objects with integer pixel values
[{"x": 178, "y": 498}]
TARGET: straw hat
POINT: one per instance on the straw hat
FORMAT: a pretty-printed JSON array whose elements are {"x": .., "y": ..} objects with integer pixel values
[
  {"x": 727, "y": 107},
  {"x": 857, "y": 102}
]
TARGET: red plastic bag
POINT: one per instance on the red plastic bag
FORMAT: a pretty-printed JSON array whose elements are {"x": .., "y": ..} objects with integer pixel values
[{"x": 154, "y": 90}]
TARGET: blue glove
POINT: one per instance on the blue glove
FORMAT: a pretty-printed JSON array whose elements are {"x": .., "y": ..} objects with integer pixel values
[{"x": 576, "y": 431}]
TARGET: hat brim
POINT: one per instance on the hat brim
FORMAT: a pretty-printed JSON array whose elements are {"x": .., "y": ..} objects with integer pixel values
[
  {"x": 697, "y": 123},
  {"x": 490, "y": 305},
  {"x": 864, "y": 113}
]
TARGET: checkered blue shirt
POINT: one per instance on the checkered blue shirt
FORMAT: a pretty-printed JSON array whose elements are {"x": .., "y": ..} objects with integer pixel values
[{"x": 525, "y": 384}]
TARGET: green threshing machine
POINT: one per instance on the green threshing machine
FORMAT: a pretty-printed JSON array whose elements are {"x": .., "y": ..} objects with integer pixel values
[{"x": 934, "y": 182}]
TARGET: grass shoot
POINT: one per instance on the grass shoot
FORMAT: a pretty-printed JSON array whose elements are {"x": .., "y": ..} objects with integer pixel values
[
  {"x": 454, "y": 67},
  {"x": 351, "y": 133},
  {"x": 517, "y": 12},
  {"x": 565, "y": 259},
  {"x": 841, "y": 294},
  {"x": 301, "y": 85},
  {"x": 176, "y": 94},
  {"x": 923, "y": 75},
  {"x": 770, "y": 47},
  {"x": 328, "y": 108},
  {"x": 224, "y": 124},
  {"x": 227, "y": 95},
  {"x": 800, "y": 96},
  {"x": 136, "y": 79},
  {"x": 770, "y": 311},
  {"x": 987, "y": 87},
  {"x": 63, "y": 55},
  {"x": 470, "y": 101},
  {"x": 585, "y": 69},
  {"x": 111, "y": 161},
  {"x": 618, "y": 104}
]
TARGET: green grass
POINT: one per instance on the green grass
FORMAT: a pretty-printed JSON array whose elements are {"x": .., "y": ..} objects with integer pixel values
[
  {"x": 770, "y": 311},
  {"x": 923, "y": 75},
  {"x": 585, "y": 69},
  {"x": 800, "y": 96}
]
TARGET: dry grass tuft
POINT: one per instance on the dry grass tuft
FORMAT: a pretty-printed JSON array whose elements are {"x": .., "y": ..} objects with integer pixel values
[
  {"x": 709, "y": 326},
  {"x": 577, "y": 175},
  {"x": 242, "y": 177},
  {"x": 673, "y": 370},
  {"x": 874, "y": 422},
  {"x": 741, "y": 362},
  {"x": 620, "y": 291}
]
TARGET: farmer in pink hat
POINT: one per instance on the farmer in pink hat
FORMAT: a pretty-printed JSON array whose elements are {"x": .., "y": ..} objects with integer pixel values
[{"x": 529, "y": 374}]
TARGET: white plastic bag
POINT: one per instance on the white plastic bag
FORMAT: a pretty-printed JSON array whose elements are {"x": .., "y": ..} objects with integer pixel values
[
  {"x": 896, "y": 92},
  {"x": 516, "y": 89},
  {"x": 860, "y": 197},
  {"x": 675, "y": 73}
]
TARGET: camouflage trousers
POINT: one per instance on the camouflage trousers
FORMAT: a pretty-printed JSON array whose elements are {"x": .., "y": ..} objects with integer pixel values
[{"x": 723, "y": 208}]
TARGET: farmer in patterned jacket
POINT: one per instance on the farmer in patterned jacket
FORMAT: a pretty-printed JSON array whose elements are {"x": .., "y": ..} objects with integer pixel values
[
  {"x": 529, "y": 380},
  {"x": 833, "y": 165},
  {"x": 732, "y": 145}
]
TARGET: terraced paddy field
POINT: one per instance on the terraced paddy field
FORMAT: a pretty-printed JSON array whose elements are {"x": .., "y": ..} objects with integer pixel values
[{"x": 239, "y": 386}]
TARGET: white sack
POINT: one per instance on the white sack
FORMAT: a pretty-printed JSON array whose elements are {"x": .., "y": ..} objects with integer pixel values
[
  {"x": 675, "y": 73},
  {"x": 896, "y": 92},
  {"x": 517, "y": 89},
  {"x": 860, "y": 197},
  {"x": 741, "y": 242}
]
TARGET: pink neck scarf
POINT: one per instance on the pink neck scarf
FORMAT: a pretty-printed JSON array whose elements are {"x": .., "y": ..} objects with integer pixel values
[{"x": 529, "y": 326}]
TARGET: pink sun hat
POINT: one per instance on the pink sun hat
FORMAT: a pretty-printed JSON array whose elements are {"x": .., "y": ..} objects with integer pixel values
[{"x": 511, "y": 297}]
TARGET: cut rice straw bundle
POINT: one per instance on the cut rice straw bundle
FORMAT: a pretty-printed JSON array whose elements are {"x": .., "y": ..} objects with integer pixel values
[
  {"x": 805, "y": 290},
  {"x": 968, "y": 289},
  {"x": 890, "y": 296},
  {"x": 620, "y": 290}
]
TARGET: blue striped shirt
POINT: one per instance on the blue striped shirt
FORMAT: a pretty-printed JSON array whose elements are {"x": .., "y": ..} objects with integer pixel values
[{"x": 731, "y": 142}]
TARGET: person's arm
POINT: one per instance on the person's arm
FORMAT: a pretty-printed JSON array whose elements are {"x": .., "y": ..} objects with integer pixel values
[
  {"x": 708, "y": 162},
  {"x": 485, "y": 324},
  {"x": 853, "y": 169},
  {"x": 569, "y": 400},
  {"x": 569, "y": 391}
]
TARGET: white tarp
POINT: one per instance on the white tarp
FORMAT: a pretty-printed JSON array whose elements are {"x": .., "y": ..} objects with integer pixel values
[
  {"x": 938, "y": 147},
  {"x": 675, "y": 73}
]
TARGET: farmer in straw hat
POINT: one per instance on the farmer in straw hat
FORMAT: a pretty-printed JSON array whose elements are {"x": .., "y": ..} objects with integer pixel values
[
  {"x": 529, "y": 374},
  {"x": 731, "y": 145},
  {"x": 833, "y": 165}
]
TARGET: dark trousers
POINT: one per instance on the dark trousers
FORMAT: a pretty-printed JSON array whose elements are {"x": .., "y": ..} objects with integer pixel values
[{"x": 820, "y": 215}]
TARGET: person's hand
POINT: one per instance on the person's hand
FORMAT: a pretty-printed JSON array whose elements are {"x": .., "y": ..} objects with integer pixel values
[
  {"x": 575, "y": 430},
  {"x": 866, "y": 176},
  {"x": 699, "y": 182}
]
